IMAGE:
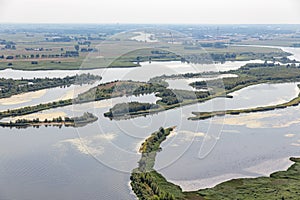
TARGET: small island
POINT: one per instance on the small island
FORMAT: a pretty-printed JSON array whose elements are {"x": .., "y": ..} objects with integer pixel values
[
  {"x": 129, "y": 109},
  {"x": 83, "y": 120}
]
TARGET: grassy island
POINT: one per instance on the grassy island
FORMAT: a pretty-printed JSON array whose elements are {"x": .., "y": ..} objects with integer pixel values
[{"x": 83, "y": 120}]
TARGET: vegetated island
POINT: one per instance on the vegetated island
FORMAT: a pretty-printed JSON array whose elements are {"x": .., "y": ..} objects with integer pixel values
[
  {"x": 148, "y": 184},
  {"x": 10, "y": 87},
  {"x": 145, "y": 181},
  {"x": 80, "y": 121}
]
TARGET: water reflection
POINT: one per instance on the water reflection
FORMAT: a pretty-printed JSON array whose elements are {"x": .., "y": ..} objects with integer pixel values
[{"x": 94, "y": 162}]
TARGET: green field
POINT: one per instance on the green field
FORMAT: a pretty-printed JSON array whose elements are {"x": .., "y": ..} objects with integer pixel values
[{"x": 117, "y": 53}]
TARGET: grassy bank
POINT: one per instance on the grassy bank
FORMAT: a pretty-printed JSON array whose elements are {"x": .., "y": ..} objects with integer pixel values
[
  {"x": 145, "y": 181},
  {"x": 281, "y": 185},
  {"x": 34, "y": 109},
  {"x": 206, "y": 115}
]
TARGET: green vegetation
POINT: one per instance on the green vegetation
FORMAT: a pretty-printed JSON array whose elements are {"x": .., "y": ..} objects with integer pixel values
[
  {"x": 145, "y": 181},
  {"x": 222, "y": 57},
  {"x": 131, "y": 108},
  {"x": 297, "y": 45},
  {"x": 33, "y": 109},
  {"x": 11, "y": 87},
  {"x": 83, "y": 120},
  {"x": 120, "y": 88},
  {"x": 110, "y": 90},
  {"x": 253, "y": 73},
  {"x": 161, "y": 79}
]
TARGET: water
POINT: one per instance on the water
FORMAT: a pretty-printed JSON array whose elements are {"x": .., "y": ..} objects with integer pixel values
[
  {"x": 80, "y": 159},
  {"x": 294, "y": 51},
  {"x": 95, "y": 161},
  {"x": 249, "y": 146}
]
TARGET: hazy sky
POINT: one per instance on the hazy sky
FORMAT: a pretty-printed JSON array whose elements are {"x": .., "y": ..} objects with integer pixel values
[{"x": 150, "y": 11}]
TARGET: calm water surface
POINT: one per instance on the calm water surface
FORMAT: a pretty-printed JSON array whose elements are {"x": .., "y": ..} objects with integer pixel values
[{"x": 95, "y": 161}]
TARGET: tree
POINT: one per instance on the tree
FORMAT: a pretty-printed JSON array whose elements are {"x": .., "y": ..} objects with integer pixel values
[{"x": 76, "y": 47}]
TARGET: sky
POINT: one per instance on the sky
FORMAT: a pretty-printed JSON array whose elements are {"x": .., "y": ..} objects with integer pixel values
[{"x": 151, "y": 11}]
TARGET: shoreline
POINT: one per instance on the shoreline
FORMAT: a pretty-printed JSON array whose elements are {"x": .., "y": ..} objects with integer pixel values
[{"x": 199, "y": 184}]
